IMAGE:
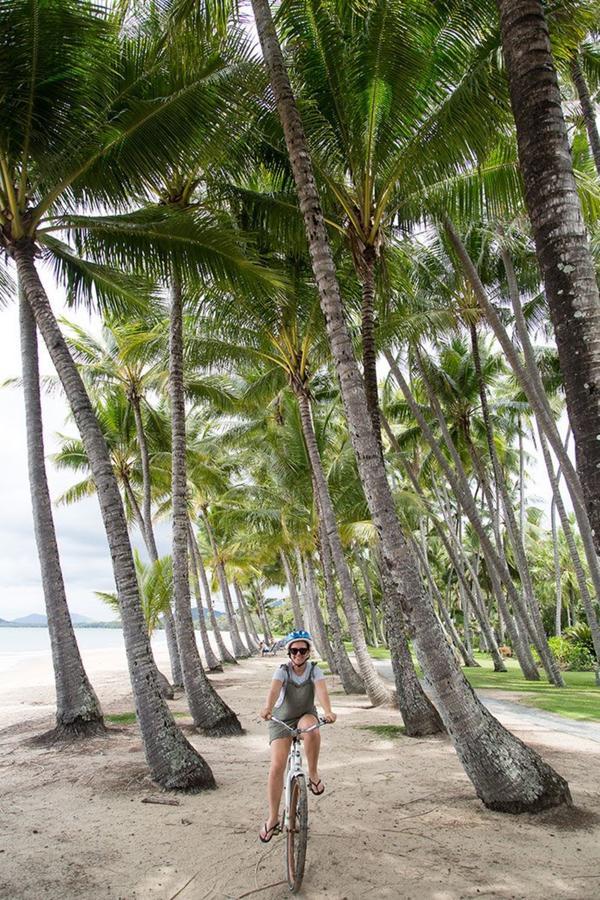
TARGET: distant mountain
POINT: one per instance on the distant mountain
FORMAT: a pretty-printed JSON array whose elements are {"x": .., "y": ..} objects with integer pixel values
[
  {"x": 77, "y": 619},
  {"x": 33, "y": 620},
  {"x": 195, "y": 615},
  {"x": 37, "y": 620}
]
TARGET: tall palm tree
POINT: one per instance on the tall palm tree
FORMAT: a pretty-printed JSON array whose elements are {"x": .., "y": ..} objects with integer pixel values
[
  {"x": 115, "y": 359},
  {"x": 90, "y": 119},
  {"x": 554, "y": 208},
  {"x": 77, "y": 708},
  {"x": 506, "y": 774}
]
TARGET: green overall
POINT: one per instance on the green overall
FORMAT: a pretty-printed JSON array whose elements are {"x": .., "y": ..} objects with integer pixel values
[{"x": 298, "y": 700}]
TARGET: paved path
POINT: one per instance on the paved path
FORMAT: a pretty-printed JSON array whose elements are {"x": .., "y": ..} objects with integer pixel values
[{"x": 521, "y": 716}]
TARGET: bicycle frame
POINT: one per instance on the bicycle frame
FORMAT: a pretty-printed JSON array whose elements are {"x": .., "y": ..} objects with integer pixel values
[{"x": 294, "y": 761}]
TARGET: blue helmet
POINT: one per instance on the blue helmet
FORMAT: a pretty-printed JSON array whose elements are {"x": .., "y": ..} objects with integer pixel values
[{"x": 299, "y": 635}]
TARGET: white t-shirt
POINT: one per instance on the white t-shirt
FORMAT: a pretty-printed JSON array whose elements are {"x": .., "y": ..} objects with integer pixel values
[{"x": 280, "y": 675}]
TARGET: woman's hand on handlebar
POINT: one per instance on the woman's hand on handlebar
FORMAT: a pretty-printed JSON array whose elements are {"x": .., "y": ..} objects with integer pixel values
[
  {"x": 265, "y": 713},
  {"x": 329, "y": 718}
]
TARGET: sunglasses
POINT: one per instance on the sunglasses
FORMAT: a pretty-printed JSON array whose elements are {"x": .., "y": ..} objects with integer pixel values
[{"x": 302, "y": 651}]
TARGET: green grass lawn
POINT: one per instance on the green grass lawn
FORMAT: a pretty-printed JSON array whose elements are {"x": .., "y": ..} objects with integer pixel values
[{"x": 580, "y": 699}]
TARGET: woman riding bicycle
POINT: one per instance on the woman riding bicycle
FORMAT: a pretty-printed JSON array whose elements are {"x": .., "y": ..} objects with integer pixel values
[{"x": 291, "y": 698}]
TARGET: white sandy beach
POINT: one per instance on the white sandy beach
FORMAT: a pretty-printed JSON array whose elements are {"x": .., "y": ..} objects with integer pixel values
[{"x": 399, "y": 818}]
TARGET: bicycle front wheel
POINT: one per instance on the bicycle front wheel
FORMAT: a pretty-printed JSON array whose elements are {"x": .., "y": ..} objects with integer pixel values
[{"x": 297, "y": 834}]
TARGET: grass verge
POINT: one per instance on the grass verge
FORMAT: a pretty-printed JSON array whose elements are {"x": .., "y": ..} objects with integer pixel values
[
  {"x": 389, "y": 732},
  {"x": 580, "y": 699}
]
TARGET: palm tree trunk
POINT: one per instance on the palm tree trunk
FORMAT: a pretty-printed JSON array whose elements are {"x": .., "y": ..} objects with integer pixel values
[
  {"x": 172, "y": 760},
  {"x": 241, "y": 609},
  {"x": 587, "y": 108},
  {"x": 369, "y": 353},
  {"x": 312, "y": 597},
  {"x": 559, "y": 231},
  {"x": 588, "y": 604},
  {"x": 506, "y": 774},
  {"x": 516, "y": 538},
  {"x": 249, "y": 620},
  {"x": 554, "y": 439},
  {"x": 460, "y": 487},
  {"x": 352, "y": 682},
  {"x": 376, "y": 690},
  {"x": 224, "y": 653},
  {"x": 78, "y": 711},
  {"x": 291, "y": 584},
  {"x": 364, "y": 571},
  {"x": 558, "y": 603},
  {"x": 419, "y": 715},
  {"x": 210, "y": 714},
  {"x": 239, "y": 651},
  {"x": 264, "y": 619},
  {"x": 147, "y": 530},
  {"x": 212, "y": 663}
]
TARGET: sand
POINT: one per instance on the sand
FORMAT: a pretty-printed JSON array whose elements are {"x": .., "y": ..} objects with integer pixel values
[{"x": 399, "y": 818}]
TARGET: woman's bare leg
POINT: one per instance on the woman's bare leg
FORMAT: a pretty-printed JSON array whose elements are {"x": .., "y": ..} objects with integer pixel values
[
  {"x": 279, "y": 754},
  {"x": 312, "y": 746}
]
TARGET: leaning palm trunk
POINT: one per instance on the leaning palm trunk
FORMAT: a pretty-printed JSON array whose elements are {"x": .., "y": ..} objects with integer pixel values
[
  {"x": 375, "y": 626},
  {"x": 312, "y": 599},
  {"x": 252, "y": 647},
  {"x": 224, "y": 654},
  {"x": 249, "y": 619},
  {"x": 376, "y": 690},
  {"x": 558, "y": 602},
  {"x": 586, "y": 599},
  {"x": 531, "y": 371},
  {"x": 457, "y": 479},
  {"x": 292, "y": 590},
  {"x": 78, "y": 711},
  {"x": 172, "y": 760},
  {"x": 212, "y": 663},
  {"x": 507, "y": 775},
  {"x": 147, "y": 530},
  {"x": 587, "y": 108},
  {"x": 165, "y": 687},
  {"x": 210, "y": 714},
  {"x": 239, "y": 651},
  {"x": 264, "y": 619},
  {"x": 419, "y": 715},
  {"x": 516, "y": 538},
  {"x": 352, "y": 682}
]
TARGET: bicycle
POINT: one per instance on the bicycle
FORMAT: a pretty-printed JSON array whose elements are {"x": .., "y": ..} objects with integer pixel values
[{"x": 295, "y": 815}]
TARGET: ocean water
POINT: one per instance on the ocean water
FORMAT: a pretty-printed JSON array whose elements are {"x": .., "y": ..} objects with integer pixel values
[{"x": 22, "y": 644}]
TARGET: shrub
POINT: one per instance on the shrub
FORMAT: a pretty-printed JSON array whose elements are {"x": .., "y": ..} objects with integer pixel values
[
  {"x": 580, "y": 635},
  {"x": 571, "y": 657}
]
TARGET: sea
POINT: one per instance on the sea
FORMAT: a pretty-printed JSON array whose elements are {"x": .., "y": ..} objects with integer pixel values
[{"x": 22, "y": 644}]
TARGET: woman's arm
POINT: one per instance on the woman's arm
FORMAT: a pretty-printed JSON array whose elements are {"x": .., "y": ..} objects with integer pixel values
[
  {"x": 272, "y": 696},
  {"x": 323, "y": 697}
]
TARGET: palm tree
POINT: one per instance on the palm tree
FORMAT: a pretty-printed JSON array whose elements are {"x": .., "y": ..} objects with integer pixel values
[
  {"x": 90, "y": 120},
  {"x": 77, "y": 708},
  {"x": 115, "y": 359},
  {"x": 561, "y": 241},
  {"x": 506, "y": 774}
]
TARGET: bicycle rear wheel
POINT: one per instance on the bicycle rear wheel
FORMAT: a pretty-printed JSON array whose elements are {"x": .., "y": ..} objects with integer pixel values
[{"x": 297, "y": 834}]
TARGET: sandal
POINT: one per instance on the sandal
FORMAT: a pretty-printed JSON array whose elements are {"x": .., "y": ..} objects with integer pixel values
[
  {"x": 269, "y": 832},
  {"x": 314, "y": 787}
]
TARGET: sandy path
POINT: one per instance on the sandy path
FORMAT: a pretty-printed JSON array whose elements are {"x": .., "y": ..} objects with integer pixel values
[{"x": 399, "y": 819}]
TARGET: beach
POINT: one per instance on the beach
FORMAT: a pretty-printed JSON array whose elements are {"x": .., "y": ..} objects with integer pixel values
[{"x": 399, "y": 818}]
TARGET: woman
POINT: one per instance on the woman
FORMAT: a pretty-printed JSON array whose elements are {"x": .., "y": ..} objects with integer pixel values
[{"x": 291, "y": 698}]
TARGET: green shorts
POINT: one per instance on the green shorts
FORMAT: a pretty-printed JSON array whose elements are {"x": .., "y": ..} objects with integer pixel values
[{"x": 277, "y": 731}]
